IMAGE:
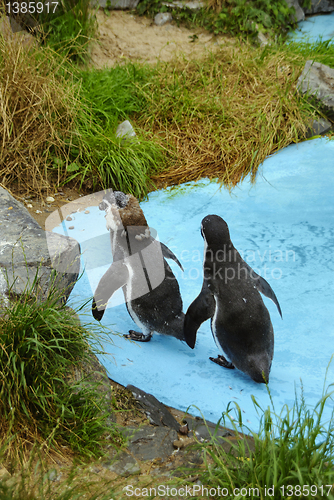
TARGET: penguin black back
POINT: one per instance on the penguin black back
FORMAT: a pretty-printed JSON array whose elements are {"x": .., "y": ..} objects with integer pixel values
[{"x": 240, "y": 322}]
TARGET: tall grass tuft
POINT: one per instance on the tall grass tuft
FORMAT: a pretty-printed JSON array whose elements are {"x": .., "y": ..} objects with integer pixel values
[
  {"x": 70, "y": 29},
  {"x": 293, "y": 453},
  {"x": 56, "y": 126},
  {"x": 226, "y": 112},
  {"x": 37, "y": 110},
  {"x": 321, "y": 51},
  {"x": 42, "y": 344},
  {"x": 109, "y": 97},
  {"x": 114, "y": 93}
]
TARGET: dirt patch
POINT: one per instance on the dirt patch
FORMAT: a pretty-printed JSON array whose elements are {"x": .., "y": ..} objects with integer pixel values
[{"x": 123, "y": 36}]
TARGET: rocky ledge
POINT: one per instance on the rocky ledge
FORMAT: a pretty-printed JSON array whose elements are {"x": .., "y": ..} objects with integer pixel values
[{"x": 33, "y": 261}]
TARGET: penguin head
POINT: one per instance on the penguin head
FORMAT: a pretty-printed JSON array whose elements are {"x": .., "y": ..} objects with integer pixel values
[
  {"x": 115, "y": 199},
  {"x": 215, "y": 230},
  {"x": 123, "y": 211},
  {"x": 132, "y": 214}
]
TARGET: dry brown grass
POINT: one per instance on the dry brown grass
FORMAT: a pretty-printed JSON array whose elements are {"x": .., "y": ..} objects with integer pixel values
[
  {"x": 36, "y": 113},
  {"x": 215, "y": 5},
  {"x": 225, "y": 113}
]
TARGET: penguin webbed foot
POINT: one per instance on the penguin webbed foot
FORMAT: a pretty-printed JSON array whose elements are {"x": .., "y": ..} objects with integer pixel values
[
  {"x": 221, "y": 361},
  {"x": 138, "y": 336}
]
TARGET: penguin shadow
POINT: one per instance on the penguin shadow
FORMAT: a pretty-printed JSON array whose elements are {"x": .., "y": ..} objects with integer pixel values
[{"x": 230, "y": 296}]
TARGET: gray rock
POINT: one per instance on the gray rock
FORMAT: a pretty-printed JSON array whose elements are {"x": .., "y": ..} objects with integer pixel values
[
  {"x": 203, "y": 430},
  {"x": 148, "y": 443},
  {"x": 27, "y": 252},
  {"x": 194, "y": 5},
  {"x": 318, "y": 127},
  {"x": 163, "y": 18},
  {"x": 124, "y": 465},
  {"x": 12, "y": 32},
  {"x": 318, "y": 80},
  {"x": 115, "y": 4},
  {"x": 53, "y": 475},
  {"x": 299, "y": 13},
  {"x": 320, "y": 6},
  {"x": 156, "y": 412},
  {"x": 4, "y": 302},
  {"x": 262, "y": 39},
  {"x": 125, "y": 130}
]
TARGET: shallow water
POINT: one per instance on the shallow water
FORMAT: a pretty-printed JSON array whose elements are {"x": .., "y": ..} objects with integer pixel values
[
  {"x": 284, "y": 227},
  {"x": 315, "y": 28}
]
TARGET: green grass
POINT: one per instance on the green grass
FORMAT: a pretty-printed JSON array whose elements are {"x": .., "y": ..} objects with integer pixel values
[
  {"x": 42, "y": 344},
  {"x": 38, "y": 480},
  {"x": 236, "y": 17},
  {"x": 109, "y": 97},
  {"x": 320, "y": 51},
  {"x": 218, "y": 116},
  {"x": 70, "y": 29},
  {"x": 292, "y": 448},
  {"x": 69, "y": 131},
  {"x": 114, "y": 93},
  {"x": 226, "y": 111}
]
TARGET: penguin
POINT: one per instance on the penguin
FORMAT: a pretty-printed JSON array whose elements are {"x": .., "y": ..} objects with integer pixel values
[
  {"x": 151, "y": 291},
  {"x": 230, "y": 296}
]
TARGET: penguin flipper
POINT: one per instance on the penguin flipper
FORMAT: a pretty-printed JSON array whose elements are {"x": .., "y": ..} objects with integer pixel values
[
  {"x": 201, "y": 309},
  {"x": 111, "y": 281},
  {"x": 263, "y": 286},
  {"x": 168, "y": 254}
]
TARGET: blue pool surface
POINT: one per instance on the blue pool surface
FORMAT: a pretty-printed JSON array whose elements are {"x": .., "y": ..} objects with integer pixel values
[
  {"x": 315, "y": 28},
  {"x": 283, "y": 225}
]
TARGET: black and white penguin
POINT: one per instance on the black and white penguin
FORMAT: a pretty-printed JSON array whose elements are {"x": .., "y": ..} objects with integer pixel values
[
  {"x": 151, "y": 291},
  {"x": 240, "y": 321}
]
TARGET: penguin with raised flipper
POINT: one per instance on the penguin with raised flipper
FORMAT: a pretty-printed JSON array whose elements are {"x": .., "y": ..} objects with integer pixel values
[
  {"x": 240, "y": 321},
  {"x": 151, "y": 291}
]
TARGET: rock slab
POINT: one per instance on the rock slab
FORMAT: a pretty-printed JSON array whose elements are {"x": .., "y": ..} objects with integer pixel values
[
  {"x": 30, "y": 255},
  {"x": 156, "y": 412},
  {"x": 148, "y": 443},
  {"x": 318, "y": 80},
  {"x": 318, "y": 127},
  {"x": 124, "y": 465},
  {"x": 318, "y": 6}
]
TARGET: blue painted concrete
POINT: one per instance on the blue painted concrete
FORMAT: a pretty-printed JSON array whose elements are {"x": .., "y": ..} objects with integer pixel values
[
  {"x": 315, "y": 28},
  {"x": 284, "y": 227}
]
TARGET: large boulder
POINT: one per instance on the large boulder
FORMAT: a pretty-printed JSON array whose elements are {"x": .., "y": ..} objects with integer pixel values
[
  {"x": 31, "y": 258},
  {"x": 318, "y": 6},
  {"x": 318, "y": 80},
  {"x": 299, "y": 13}
]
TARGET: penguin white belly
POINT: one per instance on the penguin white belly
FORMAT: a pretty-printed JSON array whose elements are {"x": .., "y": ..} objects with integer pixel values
[
  {"x": 214, "y": 331},
  {"x": 128, "y": 296}
]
